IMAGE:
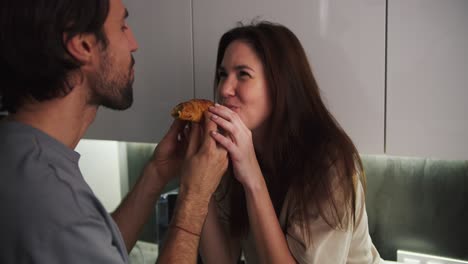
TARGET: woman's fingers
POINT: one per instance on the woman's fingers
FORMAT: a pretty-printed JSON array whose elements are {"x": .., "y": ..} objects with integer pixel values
[
  {"x": 226, "y": 125},
  {"x": 232, "y": 128},
  {"x": 228, "y": 120},
  {"x": 224, "y": 141},
  {"x": 223, "y": 112}
]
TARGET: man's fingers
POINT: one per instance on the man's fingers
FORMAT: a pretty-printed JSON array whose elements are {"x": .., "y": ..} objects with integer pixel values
[
  {"x": 209, "y": 127},
  {"x": 194, "y": 139},
  {"x": 176, "y": 128}
]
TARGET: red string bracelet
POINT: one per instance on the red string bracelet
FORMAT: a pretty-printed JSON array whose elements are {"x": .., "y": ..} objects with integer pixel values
[{"x": 186, "y": 230}]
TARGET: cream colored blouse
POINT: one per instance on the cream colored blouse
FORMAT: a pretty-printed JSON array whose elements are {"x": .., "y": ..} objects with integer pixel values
[{"x": 329, "y": 246}]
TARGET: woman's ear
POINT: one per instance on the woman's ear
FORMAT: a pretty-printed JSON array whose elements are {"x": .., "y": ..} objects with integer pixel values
[{"x": 81, "y": 47}]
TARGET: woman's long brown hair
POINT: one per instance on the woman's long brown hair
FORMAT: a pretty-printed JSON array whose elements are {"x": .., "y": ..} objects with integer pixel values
[{"x": 310, "y": 158}]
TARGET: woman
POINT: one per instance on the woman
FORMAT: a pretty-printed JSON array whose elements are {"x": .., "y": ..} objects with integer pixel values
[{"x": 294, "y": 189}]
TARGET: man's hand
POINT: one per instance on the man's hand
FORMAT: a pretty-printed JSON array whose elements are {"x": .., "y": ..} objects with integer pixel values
[
  {"x": 205, "y": 164},
  {"x": 170, "y": 152},
  {"x": 165, "y": 164}
]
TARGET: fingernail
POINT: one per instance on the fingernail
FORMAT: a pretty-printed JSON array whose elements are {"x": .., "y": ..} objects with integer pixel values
[
  {"x": 216, "y": 104},
  {"x": 214, "y": 117},
  {"x": 214, "y": 132}
]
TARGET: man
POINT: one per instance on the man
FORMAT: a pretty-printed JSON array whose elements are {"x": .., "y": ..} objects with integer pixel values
[{"x": 60, "y": 60}]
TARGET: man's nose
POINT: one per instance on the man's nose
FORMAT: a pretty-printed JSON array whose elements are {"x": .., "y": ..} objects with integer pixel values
[{"x": 132, "y": 40}]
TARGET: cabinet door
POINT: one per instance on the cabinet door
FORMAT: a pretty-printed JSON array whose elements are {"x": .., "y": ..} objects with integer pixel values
[
  {"x": 163, "y": 72},
  {"x": 345, "y": 44},
  {"x": 427, "y": 78}
]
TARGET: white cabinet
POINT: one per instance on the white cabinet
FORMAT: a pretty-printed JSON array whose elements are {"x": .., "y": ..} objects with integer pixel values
[
  {"x": 427, "y": 92},
  {"x": 163, "y": 70},
  {"x": 345, "y": 43}
]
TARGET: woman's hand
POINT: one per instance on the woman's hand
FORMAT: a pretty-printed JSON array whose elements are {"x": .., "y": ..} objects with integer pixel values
[
  {"x": 269, "y": 239},
  {"x": 237, "y": 139}
]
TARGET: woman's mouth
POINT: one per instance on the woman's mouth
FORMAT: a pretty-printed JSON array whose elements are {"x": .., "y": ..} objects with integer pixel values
[{"x": 232, "y": 107}]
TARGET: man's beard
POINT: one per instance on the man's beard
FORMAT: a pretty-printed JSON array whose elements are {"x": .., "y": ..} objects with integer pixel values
[{"x": 110, "y": 87}]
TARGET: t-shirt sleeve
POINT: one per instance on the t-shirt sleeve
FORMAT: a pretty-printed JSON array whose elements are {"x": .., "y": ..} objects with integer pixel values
[
  {"x": 87, "y": 241},
  {"x": 362, "y": 250},
  {"x": 334, "y": 246}
]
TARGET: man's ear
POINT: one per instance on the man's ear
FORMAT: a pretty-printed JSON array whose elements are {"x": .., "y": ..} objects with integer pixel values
[{"x": 81, "y": 47}]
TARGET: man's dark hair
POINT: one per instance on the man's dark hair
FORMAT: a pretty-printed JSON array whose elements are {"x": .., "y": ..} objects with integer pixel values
[{"x": 34, "y": 61}]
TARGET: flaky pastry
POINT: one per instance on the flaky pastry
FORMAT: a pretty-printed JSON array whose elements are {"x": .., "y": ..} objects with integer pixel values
[{"x": 191, "y": 110}]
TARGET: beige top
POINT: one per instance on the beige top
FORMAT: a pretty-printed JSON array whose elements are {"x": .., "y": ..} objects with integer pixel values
[{"x": 329, "y": 245}]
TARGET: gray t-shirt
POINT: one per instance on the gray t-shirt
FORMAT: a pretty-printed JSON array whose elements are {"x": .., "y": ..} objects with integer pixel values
[{"x": 48, "y": 212}]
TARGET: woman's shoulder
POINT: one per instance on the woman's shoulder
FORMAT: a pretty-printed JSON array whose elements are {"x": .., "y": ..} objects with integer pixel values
[{"x": 334, "y": 208}]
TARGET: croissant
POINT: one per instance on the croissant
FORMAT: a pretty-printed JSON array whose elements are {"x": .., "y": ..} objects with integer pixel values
[{"x": 191, "y": 110}]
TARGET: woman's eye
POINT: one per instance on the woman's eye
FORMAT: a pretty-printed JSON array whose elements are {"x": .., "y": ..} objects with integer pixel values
[
  {"x": 222, "y": 75},
  {"x": 244, "y": 74}
]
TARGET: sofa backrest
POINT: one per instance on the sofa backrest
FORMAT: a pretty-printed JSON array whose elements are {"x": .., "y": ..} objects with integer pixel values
[{"x": 418, "y": 205}]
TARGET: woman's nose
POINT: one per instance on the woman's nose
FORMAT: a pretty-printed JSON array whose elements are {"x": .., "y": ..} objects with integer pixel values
[{"x": 227, "y": 88}]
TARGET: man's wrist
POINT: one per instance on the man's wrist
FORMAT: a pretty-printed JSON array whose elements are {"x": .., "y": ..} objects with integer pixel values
[
  {"x": 190, "y": 213},
  {"x": 157, "y": 181}
]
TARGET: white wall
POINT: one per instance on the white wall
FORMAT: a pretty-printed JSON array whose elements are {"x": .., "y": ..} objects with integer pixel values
[{"x": 100, "y": 164}]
